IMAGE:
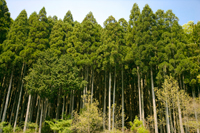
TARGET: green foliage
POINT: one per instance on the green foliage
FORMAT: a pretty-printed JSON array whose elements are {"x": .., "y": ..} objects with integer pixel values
[
  {"x": 188, "y": 28},
  {"x": 31, "y": 127},
  {"x": 53, "y": 71},
  {"x": 137, "y": 126},
  {"x": 15, "y": 42},
  {"x": 68, "y": 18},
  {"x": 63, "y": 126},
  {"x": 90, "y": 118},
  {"x": 7, "y": 128},
  {"x": 5, "y": 20}
]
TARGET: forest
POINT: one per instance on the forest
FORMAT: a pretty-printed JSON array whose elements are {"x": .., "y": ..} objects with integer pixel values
[{"x": 64, "y": 76}]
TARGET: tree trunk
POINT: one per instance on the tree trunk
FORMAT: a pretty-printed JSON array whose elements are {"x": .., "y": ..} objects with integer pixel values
[
  {"x": 63, "y": 108},
  {"x": 179, "y": 109},
  {"x": 45, "y": 109},
  {"x": 161, "y": 116},
  {"x": 37, "y": 116},
  {"x": 167, "y": 117},
  {"x": 18, "y": 105},
  {"x": 31, "y": 107},
  {"x": 4, "y": 98},
  {"x": 13, "y": 107},
  {"x": 86, "y": 80},
  {"x": 104, "y": 107},
  {"x": 138, "y": 74},
  {"x": 122, "y": 99},
  {"x": 7, "y": 99},
  {"x": 195, "y": 112},
  {"x": 27, "y": 112},
  {"x": 72, "y": 104},
  {"x": 92, "y": 85},
  {"x": 154, "y": 102},
  {"x": 113, "y": 121},
  {"x": 142, "y": 101},
  {"x": 66, "y": 108},
  {"x": 2, "y": 86},
  {"x": 167, "y": 111},
  {"x": 170, "y": 116},
  {"x": 109, "y": 102},
  {"x": 58, "y": 105},
  {"x": 40, "y": 126},
  {"x": 174, "y": 130}
]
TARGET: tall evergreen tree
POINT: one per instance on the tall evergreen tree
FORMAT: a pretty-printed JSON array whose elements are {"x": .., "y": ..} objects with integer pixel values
[
  {"x": 69, "y": 18},
  {"x": 5, "y": 20},
  {"x": 14, "y": 44}
]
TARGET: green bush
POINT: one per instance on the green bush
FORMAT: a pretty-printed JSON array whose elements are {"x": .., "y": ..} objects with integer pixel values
[
  {"x": 6, "y": 127},
  {"x": 62, "y": 126},
  {"x": 137, "y": 126},
  {"x": 89, "y": 119}
]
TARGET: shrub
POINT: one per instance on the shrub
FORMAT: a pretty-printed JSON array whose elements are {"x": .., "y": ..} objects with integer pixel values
[
  {"x": 63, "y": 126},
  {"x": 90, "y": 118},
  {"x": 137, "y": 126}
]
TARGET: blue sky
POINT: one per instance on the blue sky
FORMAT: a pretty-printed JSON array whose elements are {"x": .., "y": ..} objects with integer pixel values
[{"x": 185, "y": 10}]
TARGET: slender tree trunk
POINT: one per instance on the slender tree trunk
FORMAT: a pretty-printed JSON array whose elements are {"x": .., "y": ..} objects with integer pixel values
[
  {"x": 167, "y": 117},
  {"x": 23, "y": 107},
  {"x": 66, "y": 109},
  {"x": 170, "y": 116},
  {"x": 195, "y": 112},
  {"x": 142, "y": 101},
  {"x": 104, "y": 107},
  {"x": 2, "y": 93},
  {"x": 45, "y": 110},
  {"x": 122, "y": 99},
  {"x": 58, "y": 105},
  {"x": 92, "y": 85},
  {"x": 72, "y": 104},
  {"x": 3, "y": 104},
  {"x": 31, "y": 107},
  {"x": 63, "y": 108},
  {"x": 86, "y": 80},
  {"x": 27, "y": 112},
  {"x": 49, "y": 110},
  {"x": 154, "y": 102},
  {"x": 179, "y": 109},
  {"x": 10, "y": 102},
  {"x": 40, "y": 126},
  {"x": 13, "y": 107},
  {"x": 109, "y": 102},
  {"x": 161, "y": 116},
  {"x": 113, "y": 121},
  {"x": 18, "y": 105},
  {"x": 37, "y": 116},
  {"x": 167, "y": 111},
  {"x": 138, "y": 74},
  {"x": 84, "y": 92},
  {"x": 7, "y": 99},
  {"x": 174, "y": 130},
  {"x": 186, "y": 115}
]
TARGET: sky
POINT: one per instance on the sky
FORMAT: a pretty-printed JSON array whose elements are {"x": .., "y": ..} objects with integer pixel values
[{"x": 185, "y": 10}]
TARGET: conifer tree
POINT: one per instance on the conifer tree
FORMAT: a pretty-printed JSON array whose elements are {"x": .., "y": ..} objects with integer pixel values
[
  {"x": 145, "y": 39},
  {"x": 132, "y": 42},
  {"x": 110, "y": 52},
  {"x": 121, "y": 39},
  {"x": 14, "y": 44},
  {"x": 68, "y": 18},
  {"x": 5, "y": 20},
  {"x": 38, "y": 38},
  {"x": 58, "y": 35}
]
